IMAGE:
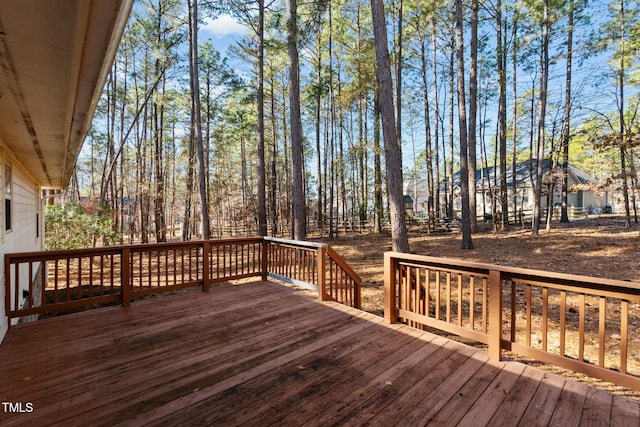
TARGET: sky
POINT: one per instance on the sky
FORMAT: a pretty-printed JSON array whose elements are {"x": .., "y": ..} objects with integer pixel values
[{"x": 222, "y": 31}]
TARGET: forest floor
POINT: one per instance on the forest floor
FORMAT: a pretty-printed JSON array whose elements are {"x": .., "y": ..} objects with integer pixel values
[{"x": 597, "y": 246}]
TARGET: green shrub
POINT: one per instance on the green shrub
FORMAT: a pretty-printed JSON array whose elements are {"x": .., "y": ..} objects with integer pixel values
[{"x": 69, "y": 227}]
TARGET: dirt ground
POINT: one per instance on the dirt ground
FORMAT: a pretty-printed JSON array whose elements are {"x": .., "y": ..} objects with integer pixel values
[{"x": 599, "y": 247}]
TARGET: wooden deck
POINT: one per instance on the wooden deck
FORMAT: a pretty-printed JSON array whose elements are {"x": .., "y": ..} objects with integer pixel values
[{"x": 264, "y": 354}]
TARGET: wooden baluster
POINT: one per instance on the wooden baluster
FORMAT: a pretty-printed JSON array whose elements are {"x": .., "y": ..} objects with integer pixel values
[
  {"x": 495, "y": 315},
  {"x": 175, "y": 265},
  {"x": 528, "y": 315},
  {"x": 235, "y": 267},
  {"x": 44, "y": 279},
  {"x": 459, "y": 299},
  {"x": 472, "y": 302},
  {"x": 418, "y": 290},
  {"x": 427, "y": 292},
  {"x": 102, "y": 259},
  {"x": 322, "y": 285},
  {"x": 545, "y": 318},
  {"x": 602, "y": 324},
  {"x": 581, "y": 329},
  {"x": 205, "y": 266},
  {"x": 448, "y": 297},
  {"x": 67, "y": 280},
  {"x": 167, "y": 282},
  {"x": 89, "y": 278},
  {"x": 56, "y": 276},
  {"x": 438, "y": 302},
  {"x": 624, "y": 334},
  {"x": 265, "y": 249},
  {"x": 30, "y": 296},
  {"x": 79, "y": 289},
  {"x": 7, "y": 289},
  {"x": 125, "y": 279},
  {"x": 563, "y": 322},
  {"x": 485, "y": 304},
  {"x": 513, "y": 311}
]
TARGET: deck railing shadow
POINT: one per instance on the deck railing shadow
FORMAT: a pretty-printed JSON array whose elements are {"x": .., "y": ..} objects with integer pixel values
[
  {"x": 47, "y": 282},
  {"x": 586, "y": 324}
]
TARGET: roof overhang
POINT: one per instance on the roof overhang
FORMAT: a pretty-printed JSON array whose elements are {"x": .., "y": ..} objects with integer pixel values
[{"x": 55, "y": 57}]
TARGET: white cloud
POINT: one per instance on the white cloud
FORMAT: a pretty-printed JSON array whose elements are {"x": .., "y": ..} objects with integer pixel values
[{"x": 223, "y": 26}]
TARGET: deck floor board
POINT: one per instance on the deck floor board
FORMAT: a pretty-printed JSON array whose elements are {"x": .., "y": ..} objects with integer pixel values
[
  {"x": 264, "y": 354},
  {"x": 517, "y": 398}
]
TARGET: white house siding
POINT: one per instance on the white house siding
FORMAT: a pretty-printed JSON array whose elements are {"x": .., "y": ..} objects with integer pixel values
[{"x": 27, "y": 223}]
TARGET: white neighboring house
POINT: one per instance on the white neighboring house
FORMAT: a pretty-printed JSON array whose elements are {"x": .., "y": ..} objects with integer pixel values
[
  {"x": 581, "y": 195},
  {"x": 55, "y": 56}
]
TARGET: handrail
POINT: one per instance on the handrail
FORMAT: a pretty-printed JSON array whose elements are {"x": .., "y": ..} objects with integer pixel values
[
  {"x": 351, "y": 281},
  {"x": 298, "y": 243},
  {"x": 522, "y": 272},
  {"x": 324, "y": 271},
  {"x": 57, "y": 281},
  {"x": 530, "y": 312}
]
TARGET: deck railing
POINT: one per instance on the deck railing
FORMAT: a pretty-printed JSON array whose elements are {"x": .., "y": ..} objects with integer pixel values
[
  {"x": 585, "y": 324},
  {"x": 57, "y": 281},
  {"x": 314, "y": 266}
]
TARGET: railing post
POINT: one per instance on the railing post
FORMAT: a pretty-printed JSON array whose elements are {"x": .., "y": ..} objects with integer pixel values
[
  {"x": 205, "y": 266},
  {"x": 390, "y": 288},
  {"x": 265, "y": 259},
  {"x": 125, "y": 276},
  {"x": 322, "y": 273},
  {"x": 495, "y": 315}
]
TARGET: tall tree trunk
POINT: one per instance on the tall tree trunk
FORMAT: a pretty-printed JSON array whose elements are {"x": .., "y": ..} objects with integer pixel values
[
  {"x": 399, "y": 237},
  {"x": 436, "y": 115},
  {"x": 318, "y": 123},
  {"x": 285, "y": 184},
  {"x": 502, "y": 116},
  {"x": 452, "y": 91},
  {"x": 362, "y": 161},
  {"x": 330, "y": 156},
  {"x": 262, "y": 186},
  {"x": 514, "y": 135},
  {"x": 123, "y": 184},
  {"x": 427, "y": 129},
  {"x": 544, "y": 79},
  {"x": 621, "y": 107},
  {"x": 197, "y": 122},
  {"x": 377, "y": 165},
  {"x": 299, "y": 227},
  {"x": 243, "y": 172},
  {"x": 336, "y": 169},
  {"x": 566, "y": 122},
  {"x": 467, "y": 242},
  {"x": 274, "y": 162},
  {"x": 399, "y": 60},
  {"x": 108, "y": 176},
  {"x": 158, "y": 142},
  {"x": 473, "y": 109},
  {"x": 362, "y": 134},
  {"x": 336, "y": 127},
  {"x": 144, "y": 184},
  {"x": 188, "y": 208}
]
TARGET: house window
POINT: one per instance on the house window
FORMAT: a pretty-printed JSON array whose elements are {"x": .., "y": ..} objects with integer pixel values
[{"x": 7, "y": 197}]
